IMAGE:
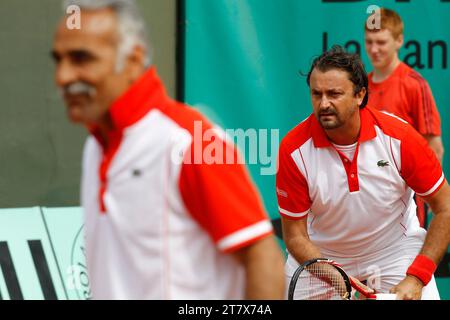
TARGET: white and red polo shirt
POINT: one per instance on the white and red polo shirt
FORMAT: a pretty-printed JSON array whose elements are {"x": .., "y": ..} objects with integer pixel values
[
  {"x": 356, "y": 207},
  {"x": 158, "y": 222}
]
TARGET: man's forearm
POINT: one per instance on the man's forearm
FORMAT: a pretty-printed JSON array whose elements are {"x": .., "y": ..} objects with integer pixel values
[
  {"x": 438, "y": 234},
  {"x": 296, "y": 238},
  {"x": 435, "y": 144},
  {"x": 438, "y": 237},
  {"x": 302, "y": 249},
  {"x": 420, "y": 272},
  {"x": 264, "y": 268}
]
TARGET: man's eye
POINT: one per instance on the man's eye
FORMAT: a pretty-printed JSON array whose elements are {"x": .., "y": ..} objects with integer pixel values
[
  {"x": 55, "y": 57},
  {"x": 81, "y": 57}
]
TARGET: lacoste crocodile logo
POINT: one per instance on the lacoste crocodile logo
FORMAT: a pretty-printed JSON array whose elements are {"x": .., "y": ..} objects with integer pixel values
[{"x": 382, "y": 163}]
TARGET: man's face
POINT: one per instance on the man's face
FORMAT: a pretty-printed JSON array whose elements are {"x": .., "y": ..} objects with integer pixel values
[
  {"x": 333, "y": 99},
  {"x": 85, "y": 62},
  {"x": 382, "y": 48}
]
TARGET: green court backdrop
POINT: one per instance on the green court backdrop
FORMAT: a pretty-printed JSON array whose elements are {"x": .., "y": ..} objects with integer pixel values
[
  {"x": 241, "y": 65},
  {"x": 42, "y": 254},
  {"x": 243, "y": 57}
]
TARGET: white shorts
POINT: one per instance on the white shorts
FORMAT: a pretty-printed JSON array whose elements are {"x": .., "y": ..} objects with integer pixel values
[{"x": 382, "y": 270}]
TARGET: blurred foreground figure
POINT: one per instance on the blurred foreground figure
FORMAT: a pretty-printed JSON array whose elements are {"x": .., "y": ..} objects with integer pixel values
[{"x": 165, "y": 217}]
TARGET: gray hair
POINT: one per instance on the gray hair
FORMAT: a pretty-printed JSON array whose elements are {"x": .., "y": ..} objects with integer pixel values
[{"x": 131, "y": 25}]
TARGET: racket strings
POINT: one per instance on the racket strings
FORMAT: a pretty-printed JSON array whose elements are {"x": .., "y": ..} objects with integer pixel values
[{"x": 320, "y": 281}]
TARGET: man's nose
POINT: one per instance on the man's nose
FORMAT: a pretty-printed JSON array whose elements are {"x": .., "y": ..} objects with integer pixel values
[
  {"x": 325, "y": 102},
  {"x": 373, "y": 49},
  {"x": 65, "y": 74}
]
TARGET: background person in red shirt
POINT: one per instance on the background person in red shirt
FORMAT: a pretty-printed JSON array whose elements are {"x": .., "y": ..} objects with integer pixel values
[{"x": 398, "y": 89}]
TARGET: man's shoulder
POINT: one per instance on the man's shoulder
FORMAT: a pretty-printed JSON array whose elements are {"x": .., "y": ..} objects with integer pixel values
[
  {"x": 297, "y": 136},
  {"x": 187, "y": 117},
  {"x": 404, "y": 75},
  {"x": 411, "y": 78},
  {"x": 389, "y": 123}
]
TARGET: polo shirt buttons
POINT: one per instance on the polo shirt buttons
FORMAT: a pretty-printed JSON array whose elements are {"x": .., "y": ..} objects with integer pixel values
[{"x": 352, "y": 176}]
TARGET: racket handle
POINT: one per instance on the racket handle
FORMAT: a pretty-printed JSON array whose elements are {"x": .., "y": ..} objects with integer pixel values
[{"x": 361, "y": 288}]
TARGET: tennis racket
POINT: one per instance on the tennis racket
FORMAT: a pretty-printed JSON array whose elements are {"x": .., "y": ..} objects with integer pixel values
[{"x": 324, "y": 279}]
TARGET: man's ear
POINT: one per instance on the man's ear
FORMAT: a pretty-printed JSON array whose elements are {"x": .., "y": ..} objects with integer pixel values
[
  {"x": 399, "y": 42},
  {"x": 136, "y": 62},
  {"x": 360, "y": 96}
]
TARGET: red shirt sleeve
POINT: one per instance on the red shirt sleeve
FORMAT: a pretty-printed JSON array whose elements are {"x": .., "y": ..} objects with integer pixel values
[
  {"x": 419, "y": 166},
  {"x": 423, "y": 106},
  {"x": 292, "y": 188},
  {"x": 222, "y": 198}
]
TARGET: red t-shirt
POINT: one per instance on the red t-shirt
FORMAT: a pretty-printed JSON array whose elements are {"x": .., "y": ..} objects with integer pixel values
[{"x": 407, "y": 95}]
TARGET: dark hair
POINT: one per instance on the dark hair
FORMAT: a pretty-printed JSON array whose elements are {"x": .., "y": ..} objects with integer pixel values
[{"x": 338, "y": 58}]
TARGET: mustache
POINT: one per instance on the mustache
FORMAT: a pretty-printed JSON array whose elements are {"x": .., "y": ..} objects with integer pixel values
[
  {"x": 78, "y": 87},
  {"x": 328, "y": 111}
]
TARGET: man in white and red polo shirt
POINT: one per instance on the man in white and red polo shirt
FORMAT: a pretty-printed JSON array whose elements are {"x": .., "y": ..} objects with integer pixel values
[
  {"x": 162, "y": 221},
  {"x": 346, "y": 181}
]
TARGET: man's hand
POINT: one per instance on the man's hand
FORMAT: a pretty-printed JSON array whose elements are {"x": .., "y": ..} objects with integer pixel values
[{"x": 409, "y": 288}]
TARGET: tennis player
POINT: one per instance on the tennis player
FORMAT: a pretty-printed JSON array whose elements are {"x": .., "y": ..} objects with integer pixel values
[
  {"x": 159, "y": 224},
  {"x": 345, "y": 185},
  {"x": 398, "y": 89}
]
